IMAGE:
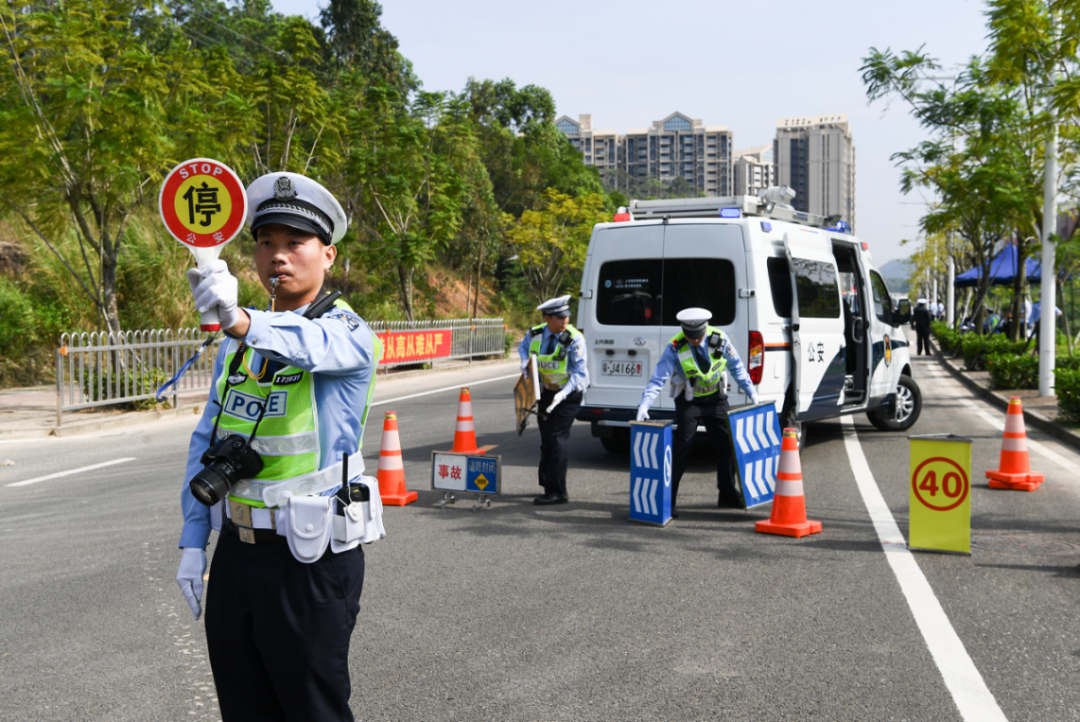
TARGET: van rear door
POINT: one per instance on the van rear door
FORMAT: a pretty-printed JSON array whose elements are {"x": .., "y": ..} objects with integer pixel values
[
  {"x": 625, "y": 278},
  {"x": 705, "y": 266},
  {"x": 818, "y": 347}
]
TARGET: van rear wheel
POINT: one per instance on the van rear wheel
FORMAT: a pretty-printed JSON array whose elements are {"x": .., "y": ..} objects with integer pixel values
[
  {"x": 904, "y": 413},
  {"x": 618, "y": 442}
]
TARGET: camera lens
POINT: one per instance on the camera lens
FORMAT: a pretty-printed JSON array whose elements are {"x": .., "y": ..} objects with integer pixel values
[{"x": 212, "y": 483}]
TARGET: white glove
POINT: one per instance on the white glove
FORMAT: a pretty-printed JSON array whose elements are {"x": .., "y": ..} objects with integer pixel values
[
  {"x": 525, "y": 366},
  {"x": 643, "y": 412},
  {"x": 190, "y": 578},
  {"x": 557, "y": 400},
  {"x": 755, "y": 399},
  {"x": 213, "y": 286}
]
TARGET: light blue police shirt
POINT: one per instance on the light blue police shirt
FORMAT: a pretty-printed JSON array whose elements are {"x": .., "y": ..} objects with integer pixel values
[
  {"x": 575, "y": 362},
  {"x": 338, "y": 349},
  {"x": 669, "y": 365}
]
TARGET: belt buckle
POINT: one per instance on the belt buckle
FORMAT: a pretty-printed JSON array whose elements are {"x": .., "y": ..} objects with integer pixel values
[{"x": 240, "y": 514}]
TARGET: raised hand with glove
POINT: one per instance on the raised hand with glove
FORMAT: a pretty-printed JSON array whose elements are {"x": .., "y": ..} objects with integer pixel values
[
  {"x": 190, "y": 578},
  {"x": 213, "y": 287}
]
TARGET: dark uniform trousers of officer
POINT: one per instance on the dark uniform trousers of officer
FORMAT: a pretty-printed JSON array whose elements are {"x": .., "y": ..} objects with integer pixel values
[
  {"x": 711, "y": 412},
  {"x": 278, "y": 630},
  {"x": 555, "y": 439}
]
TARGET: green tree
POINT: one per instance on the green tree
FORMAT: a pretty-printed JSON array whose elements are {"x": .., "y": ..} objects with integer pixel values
[
  {"x": 551, "y": 242},
  {"x": 91, "y": 117}
]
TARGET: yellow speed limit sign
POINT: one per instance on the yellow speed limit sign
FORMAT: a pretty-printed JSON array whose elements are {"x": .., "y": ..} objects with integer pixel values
[{"x": 940, "y": 493}]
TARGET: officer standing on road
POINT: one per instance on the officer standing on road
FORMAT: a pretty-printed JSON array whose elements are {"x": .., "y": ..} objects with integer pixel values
[
  {"x": 695, "y": 359},
  {"x": 920, "y": 320},
  {"x": 560, "y": 351},
  {"x": 280, "y": 604}
]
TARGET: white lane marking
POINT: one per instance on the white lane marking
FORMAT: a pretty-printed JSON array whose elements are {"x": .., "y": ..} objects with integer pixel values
[
  {"x": 1033, "y": 445},
  {"x": 58, "y": 474},
  {"x": 963, "y": 680},
  {"x": 447, "y": 388}
]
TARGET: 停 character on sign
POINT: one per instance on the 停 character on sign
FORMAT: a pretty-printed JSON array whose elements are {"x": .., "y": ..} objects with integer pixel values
[{"x": 202, "y": 200}]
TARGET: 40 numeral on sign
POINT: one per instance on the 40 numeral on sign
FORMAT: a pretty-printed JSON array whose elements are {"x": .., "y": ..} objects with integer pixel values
[{"x": 940, "y": 484}]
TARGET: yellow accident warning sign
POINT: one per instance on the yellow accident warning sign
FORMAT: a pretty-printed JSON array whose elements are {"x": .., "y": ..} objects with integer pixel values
[{"x": 940, "y": 493}]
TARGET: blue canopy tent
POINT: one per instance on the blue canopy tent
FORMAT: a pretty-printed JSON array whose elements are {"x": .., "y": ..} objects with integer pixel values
[{"x": 1002, "y": 270}]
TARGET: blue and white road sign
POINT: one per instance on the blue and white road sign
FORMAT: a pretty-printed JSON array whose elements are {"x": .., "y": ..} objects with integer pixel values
[
  {"x": 650, "y": 472},
  {"x": 472, "y": 474},
  {"x": 755, "y": 436}
]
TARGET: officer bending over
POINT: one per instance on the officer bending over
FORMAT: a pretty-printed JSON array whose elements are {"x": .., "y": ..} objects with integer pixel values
[
  {"x": 560, "y": 349},
  {"x": 695, "y": 360},
  {"x": 284, "y": 588}
]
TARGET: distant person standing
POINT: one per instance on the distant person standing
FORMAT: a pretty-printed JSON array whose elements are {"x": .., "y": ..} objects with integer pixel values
[{"x": 920, "y": 321}]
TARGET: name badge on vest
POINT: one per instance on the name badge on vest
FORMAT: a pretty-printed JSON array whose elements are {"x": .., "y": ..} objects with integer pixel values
[
  {"x": 247, "y": 407},
  {"x": 286, "y": 379}
]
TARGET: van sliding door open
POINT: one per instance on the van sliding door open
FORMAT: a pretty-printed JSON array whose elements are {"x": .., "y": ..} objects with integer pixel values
[{"x": 818, "y": 348}]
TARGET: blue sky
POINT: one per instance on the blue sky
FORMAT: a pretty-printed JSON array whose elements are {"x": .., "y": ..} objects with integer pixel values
[{"x": 743, "y": 65}]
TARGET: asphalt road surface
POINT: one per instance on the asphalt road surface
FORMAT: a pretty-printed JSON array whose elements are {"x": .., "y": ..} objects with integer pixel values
[{"x": 517, "y": 612}]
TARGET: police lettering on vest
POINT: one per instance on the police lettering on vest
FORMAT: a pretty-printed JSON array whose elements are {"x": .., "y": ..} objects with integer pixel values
[
  {"x": 553, "y": 367},
  {"x": 703, "y": 383}
]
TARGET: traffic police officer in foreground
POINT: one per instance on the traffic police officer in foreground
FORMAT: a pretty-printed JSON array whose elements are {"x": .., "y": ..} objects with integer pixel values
[
  {"x": 284, "y": 588},
  {"x": 560, "y": 351},
  {"x": 695, "y": 360}
]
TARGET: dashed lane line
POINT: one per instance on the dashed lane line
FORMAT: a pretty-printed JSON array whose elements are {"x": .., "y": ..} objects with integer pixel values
[
  {"x": 963, "y": 680},
  {"x": 58, "y": 474},
  {"x": 444, "y": 389}
]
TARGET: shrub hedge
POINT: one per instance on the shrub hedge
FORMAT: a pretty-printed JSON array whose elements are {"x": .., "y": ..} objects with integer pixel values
[
  {"x": 976, "y": 348},
  {"x": 1067, "y": 387}
]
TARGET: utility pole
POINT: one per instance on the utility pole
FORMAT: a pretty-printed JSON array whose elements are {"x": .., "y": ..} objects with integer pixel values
[
  {"x": 1048, "y": 297},
  {"x": 950, "y": 309}
]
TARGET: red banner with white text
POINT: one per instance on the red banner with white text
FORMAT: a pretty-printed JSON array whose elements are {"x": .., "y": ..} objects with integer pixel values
[{"x": 406, "y": 346}]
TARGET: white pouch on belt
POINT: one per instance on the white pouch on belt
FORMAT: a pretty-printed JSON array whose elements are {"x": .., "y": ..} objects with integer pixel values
[
  {"x": 306, "y": 521},
  {"x": 362, "y": 520},
  {"x": 215, "y": 515}
]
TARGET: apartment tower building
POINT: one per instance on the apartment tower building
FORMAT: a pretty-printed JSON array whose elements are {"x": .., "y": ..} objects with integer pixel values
[
  {"x": 815, "y": 156},
  {"x": 754, "y": 170}
]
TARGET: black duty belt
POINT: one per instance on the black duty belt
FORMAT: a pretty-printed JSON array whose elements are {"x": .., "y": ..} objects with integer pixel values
[{"x": 252, "y": 536}]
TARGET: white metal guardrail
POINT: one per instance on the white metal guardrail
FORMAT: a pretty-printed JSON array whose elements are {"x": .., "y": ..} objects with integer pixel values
[{"x": 103, "y": 369}]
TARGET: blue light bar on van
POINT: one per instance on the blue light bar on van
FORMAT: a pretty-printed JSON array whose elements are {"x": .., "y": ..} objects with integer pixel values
[
  {"x": 841, "y": 227},
  {"x": 731, "y": 213}
]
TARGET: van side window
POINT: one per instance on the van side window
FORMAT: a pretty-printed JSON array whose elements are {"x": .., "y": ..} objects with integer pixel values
[
  {"x": 882, "y": 300},
  {"x": 815, "y": 284},
  {"x": 704, "y": 282},
  {"x": 780, "y": 285},
  {"x": 630, "y": 292}
]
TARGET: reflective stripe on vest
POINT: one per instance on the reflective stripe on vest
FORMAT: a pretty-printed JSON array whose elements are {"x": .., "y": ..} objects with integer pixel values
[
  {"x": 707, "y": 383},
  {"x": 288, "y": 435},
  {"x": 553, "y": 368}
]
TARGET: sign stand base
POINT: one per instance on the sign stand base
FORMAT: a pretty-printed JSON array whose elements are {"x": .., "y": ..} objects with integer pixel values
[
  {"x": 481, "y": 499},
  {"x": 447, "y": 498}
]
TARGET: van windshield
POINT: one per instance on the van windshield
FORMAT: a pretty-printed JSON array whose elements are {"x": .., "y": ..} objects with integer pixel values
[{"x": 651, "y": 291}]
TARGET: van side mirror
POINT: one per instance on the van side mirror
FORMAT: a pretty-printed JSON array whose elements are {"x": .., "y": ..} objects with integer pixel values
[{"x": 902, "y": 314}]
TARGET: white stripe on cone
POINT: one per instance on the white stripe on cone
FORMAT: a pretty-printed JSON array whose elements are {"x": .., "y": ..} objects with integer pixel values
[
  {"x": 466, "y": 425},
  {"x": 789, "y": 462},
  {"x": 390, "y": 463},
  {"x": 788, "y": 487},
  {"x": 1008, "y": 444},
  {"x": 1014, "y": 424},
  {"x": 390, "y": 441},
  {"x": 465, "y": 409}
]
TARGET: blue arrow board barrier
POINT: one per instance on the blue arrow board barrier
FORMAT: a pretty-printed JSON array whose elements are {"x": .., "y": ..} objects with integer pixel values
[
  {"x": 650, "y": 472},
  {"x": 755, "y": 438}
]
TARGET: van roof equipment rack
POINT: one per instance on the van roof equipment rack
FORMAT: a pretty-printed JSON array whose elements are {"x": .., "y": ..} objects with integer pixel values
[{"x": 775, "y": 203}]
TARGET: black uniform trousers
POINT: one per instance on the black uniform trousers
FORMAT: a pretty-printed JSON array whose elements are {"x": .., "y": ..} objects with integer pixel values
[
  {"x": 922, "y": 337},
  {"x": 278, "y": 631},
  {"x": 555, "y": 439},
  {"x": 710, "y": 412}
]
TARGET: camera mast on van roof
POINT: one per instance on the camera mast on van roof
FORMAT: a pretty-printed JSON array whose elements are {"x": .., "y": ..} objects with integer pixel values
[{"x": 775, "y": 204}]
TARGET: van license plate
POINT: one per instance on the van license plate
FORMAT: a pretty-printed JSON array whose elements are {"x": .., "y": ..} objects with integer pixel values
[{"x": 621, "y": 368}]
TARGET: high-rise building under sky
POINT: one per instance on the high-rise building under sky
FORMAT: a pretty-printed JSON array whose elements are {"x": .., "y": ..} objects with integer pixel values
[{"x": 815, "y": 156}]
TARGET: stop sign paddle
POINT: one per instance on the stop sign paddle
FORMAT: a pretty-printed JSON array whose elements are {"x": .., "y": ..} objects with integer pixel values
[{"x": 203, "y": 205}]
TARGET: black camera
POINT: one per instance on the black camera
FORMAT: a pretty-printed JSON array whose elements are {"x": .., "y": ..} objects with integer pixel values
[{"x": 224, "y": 464}]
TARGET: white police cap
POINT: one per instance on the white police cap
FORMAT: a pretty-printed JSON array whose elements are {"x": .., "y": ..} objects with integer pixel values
[
  {"x": 921, "y": 302},
  {"x": 694, "y": 321},
  {"x": 556, "y": 306},
  {"x": 298, "y": 202}
]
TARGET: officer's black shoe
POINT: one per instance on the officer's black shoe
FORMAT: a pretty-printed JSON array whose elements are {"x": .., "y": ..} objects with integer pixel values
[
  {"x": 674, "y": 514},
  {"x": 548, "y": 499}
]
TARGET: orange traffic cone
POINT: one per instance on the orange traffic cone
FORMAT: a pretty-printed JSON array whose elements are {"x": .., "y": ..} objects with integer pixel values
[
  {"x": 391, "y": 472},
  {"x": 465, "y": 431},
  {"x": 1015, "y": 472},
  {"x": 789, "y": 504}
]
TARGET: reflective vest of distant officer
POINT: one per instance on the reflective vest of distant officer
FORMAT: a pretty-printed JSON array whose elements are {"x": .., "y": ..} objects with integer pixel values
[
  {"x": 695, "y": 360},
  {"x": 282, "y": 602},
  {"x": 560, "y": 352}
]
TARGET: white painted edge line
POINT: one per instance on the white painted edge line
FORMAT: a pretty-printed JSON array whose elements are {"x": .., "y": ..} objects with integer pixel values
[
  {"x": 963, "y": 680},
  {"x": 58, "y": 474},
  {"x": 444, "y": 389},
  {"x": 1036, "y": 446}
]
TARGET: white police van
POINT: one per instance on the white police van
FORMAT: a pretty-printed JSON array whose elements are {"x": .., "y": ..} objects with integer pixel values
[{"x": 810, "y": 316}]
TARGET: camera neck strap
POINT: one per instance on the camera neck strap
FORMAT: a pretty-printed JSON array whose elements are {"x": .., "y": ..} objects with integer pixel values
[{"x": 234, "y": 367}]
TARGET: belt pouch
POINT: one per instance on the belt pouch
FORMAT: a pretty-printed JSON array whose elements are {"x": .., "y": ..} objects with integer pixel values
[{"x": 307, "y": 526}]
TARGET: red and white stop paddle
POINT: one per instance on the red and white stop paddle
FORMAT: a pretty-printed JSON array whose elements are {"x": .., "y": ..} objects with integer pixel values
[{"x": 203, "y": 204}]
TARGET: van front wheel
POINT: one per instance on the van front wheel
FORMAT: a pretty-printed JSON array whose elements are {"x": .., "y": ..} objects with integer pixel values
[
  {"x": 618, "y": 442},
  {"x": 904, "y": 413}
]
